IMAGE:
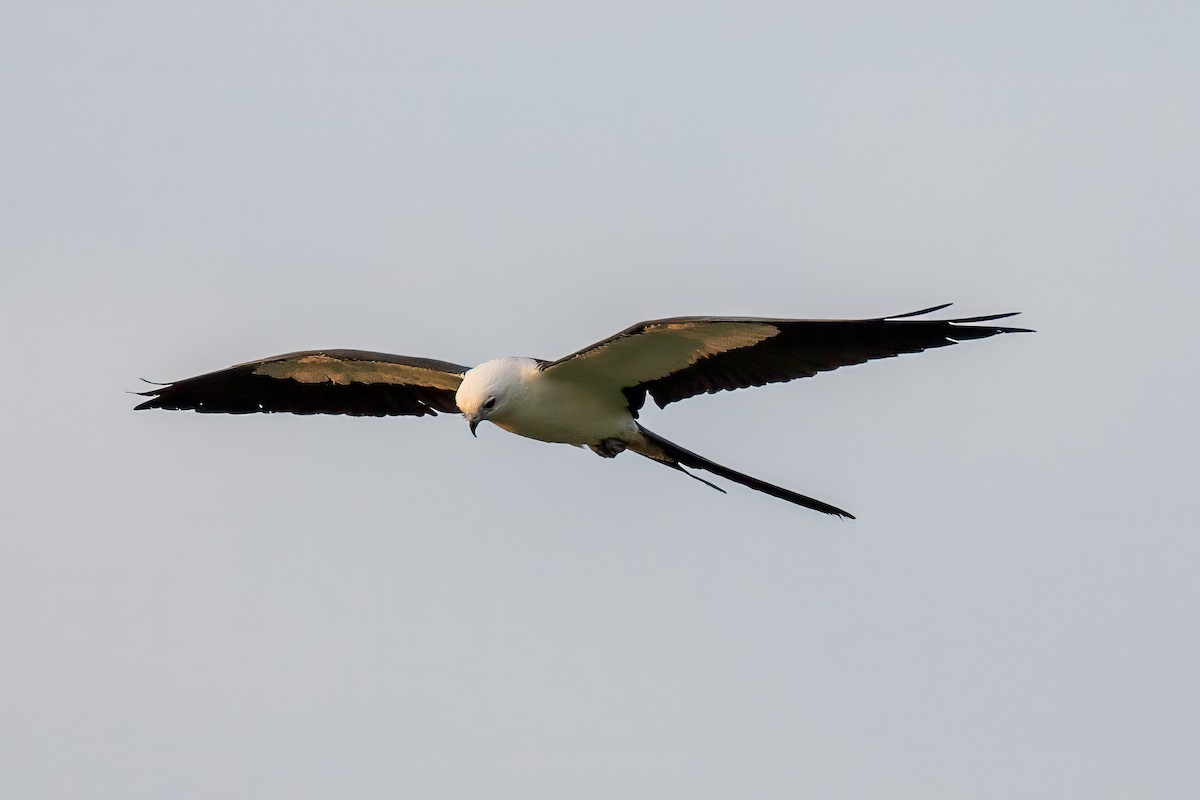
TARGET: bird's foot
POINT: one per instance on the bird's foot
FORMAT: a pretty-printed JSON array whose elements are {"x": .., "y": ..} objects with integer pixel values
[{"x": 608, "y": 448}]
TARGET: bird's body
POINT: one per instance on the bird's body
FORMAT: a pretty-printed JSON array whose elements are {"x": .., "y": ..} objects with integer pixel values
[
  {"x": 542, "y": 405},
  {"x": 590, "y": 398}
]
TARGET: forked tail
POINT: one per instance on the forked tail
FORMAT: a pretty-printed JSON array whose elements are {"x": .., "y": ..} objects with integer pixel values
[{"x": 674, "y": 456}]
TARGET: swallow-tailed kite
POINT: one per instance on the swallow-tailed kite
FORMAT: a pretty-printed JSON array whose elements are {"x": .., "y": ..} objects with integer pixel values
[{"x": 591, "y": 397}]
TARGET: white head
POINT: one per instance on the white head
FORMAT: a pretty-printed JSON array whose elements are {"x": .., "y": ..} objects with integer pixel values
[{"x": 488, "y": 390}]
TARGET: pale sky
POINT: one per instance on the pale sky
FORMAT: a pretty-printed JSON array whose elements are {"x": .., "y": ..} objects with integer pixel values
[{"x": 198, "y": 606}]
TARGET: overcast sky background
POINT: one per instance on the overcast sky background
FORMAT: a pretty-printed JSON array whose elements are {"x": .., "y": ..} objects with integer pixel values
[{"x": 198, "y": 606}]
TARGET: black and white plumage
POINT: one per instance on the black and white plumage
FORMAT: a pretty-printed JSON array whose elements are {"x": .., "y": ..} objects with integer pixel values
[{"x": 591, "y": 397}]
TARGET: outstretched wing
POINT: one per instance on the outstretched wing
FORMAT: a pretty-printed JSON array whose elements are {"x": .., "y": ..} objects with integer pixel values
[
  {"x": 353, "y": 382},
  {"x": 672, "y": 359}
]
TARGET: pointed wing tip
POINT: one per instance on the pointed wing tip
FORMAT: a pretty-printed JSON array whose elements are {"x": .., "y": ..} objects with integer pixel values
[
  {"x": 961, "y": 323},
  {"x": 963, "y": 320},
  {"x": 985, "y": 317},
  {"x": 155, "y": 395},
  {"x": 929, "y": 310},
  {"x": 825, "y": 508}
]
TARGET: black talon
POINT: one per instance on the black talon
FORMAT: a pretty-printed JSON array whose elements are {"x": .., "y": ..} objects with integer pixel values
[{"x": 608, "y": 448}]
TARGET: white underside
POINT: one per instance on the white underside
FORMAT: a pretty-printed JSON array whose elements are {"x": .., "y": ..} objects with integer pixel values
[{"x": 556, "y": 410}]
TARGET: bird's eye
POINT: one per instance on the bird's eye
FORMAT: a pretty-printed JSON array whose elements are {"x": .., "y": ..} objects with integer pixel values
[{"x": 491, "y": 401}]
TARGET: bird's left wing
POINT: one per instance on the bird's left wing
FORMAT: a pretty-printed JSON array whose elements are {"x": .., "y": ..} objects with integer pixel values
[
  {"x": 672, "y": 359},
  {"x": 352, "y": 382}
]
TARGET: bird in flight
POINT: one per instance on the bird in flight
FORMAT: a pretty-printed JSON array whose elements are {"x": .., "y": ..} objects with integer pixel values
[{"x": 589, "y": 398}]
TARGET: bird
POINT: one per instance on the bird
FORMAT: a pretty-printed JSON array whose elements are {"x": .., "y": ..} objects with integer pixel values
[{"x": 590, "y": 398}]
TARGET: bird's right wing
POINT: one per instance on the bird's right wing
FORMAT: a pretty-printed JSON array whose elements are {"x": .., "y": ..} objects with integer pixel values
[{"x": 352, "y": 382}]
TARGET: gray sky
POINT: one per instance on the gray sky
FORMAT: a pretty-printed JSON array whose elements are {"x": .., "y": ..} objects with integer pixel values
[{"x": 259, "y": 607}]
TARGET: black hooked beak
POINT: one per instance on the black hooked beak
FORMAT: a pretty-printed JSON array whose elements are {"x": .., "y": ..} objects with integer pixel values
[{"x": 474, "y": 423}]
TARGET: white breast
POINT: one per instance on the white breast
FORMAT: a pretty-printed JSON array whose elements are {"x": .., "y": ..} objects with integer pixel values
[{"x": 552, "y": 409}]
